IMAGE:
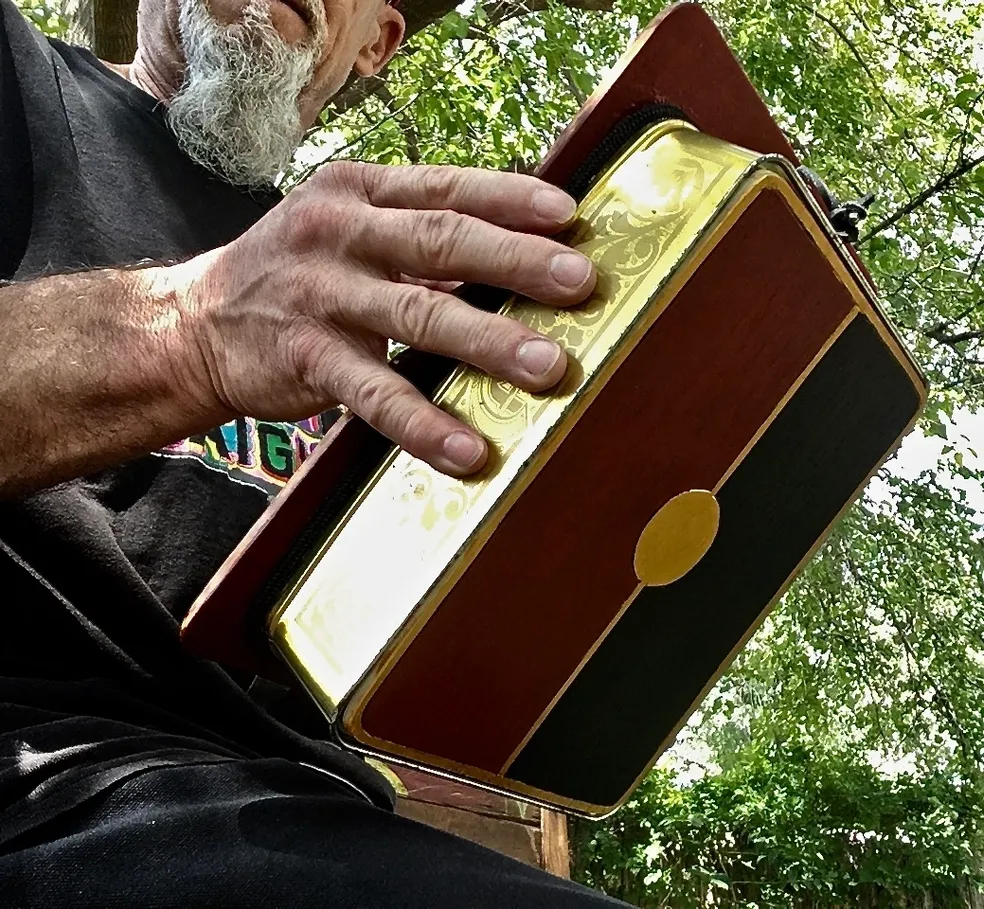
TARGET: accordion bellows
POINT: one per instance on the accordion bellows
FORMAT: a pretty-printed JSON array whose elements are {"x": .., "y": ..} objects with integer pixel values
[{"x": 545, "y": 627}]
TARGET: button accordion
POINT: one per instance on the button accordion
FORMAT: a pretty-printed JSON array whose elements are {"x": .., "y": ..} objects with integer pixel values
[{"x": 545, "y": 627}]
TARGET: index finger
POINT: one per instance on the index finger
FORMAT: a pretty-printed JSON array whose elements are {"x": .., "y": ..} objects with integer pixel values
[{"x": 516, "y": 201}]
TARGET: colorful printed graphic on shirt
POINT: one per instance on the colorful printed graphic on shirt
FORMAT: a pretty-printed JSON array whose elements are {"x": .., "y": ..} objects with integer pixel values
[{"x": 255, "y": 452}]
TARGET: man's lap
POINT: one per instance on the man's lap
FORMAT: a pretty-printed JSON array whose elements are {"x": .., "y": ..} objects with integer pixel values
[{"x": 264, "y": 833}]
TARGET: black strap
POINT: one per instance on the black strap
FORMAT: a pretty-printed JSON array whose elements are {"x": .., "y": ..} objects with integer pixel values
[
  {"x": 844, "y": 216},
  {"x": 621, "y": 134}
]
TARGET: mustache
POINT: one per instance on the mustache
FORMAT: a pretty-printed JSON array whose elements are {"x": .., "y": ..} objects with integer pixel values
[{"x": 257, "y": 14}]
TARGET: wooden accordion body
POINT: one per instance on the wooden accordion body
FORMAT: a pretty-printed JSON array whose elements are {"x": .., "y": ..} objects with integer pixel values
[{"x": 546, "y": 627}]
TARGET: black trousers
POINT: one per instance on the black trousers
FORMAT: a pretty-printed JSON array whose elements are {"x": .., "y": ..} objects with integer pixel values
[{"x": 262, "y": 834}]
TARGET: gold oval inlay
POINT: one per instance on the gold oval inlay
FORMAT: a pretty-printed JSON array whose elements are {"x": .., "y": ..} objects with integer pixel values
[{"x": 677, "y": 537}]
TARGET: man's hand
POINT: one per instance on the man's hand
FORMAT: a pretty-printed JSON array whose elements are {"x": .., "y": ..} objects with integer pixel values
[
  {"x": 294, "y": 316},
  {"x": 286, "y": 321}
]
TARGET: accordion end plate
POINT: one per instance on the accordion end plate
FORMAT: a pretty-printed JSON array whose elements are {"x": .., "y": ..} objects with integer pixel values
[{"x": 545, "y": 628}]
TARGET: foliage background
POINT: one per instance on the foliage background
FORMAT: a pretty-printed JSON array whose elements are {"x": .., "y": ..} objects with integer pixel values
[{"x": 839, "y": 761}]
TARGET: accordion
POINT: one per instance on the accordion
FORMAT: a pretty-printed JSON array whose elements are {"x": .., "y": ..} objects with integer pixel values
[{"x": 545, "y": 628}]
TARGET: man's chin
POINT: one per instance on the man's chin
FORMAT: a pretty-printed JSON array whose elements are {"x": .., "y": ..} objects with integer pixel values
[
  {"x": 217, "y": 143},
  {"x": 237, "y": 113}
]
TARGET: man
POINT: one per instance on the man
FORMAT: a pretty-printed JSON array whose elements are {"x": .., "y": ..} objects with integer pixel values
[{"x": 155, "y": 288}]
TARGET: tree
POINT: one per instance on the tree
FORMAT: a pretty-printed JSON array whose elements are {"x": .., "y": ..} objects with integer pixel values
[
  {"x": 107, "y": 27},
  {"x": 786, "y": 826},
  {"x": 51, "y": 17}
]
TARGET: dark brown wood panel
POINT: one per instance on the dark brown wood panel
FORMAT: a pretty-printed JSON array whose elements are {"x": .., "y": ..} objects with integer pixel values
[
  {"x": 523, "y": 842},
  {"x": 559, "y": 566},
  {"x": 436, "y": 790}
]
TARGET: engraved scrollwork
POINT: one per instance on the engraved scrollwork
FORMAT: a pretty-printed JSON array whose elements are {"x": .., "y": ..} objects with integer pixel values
[
  {"x": 571, "y": 328},
  {"x": 635, "y": 222},
  {"x": 624, "y": 233},
  {"x": 624, "y": 230},
  {"x": 500, "y": 411},
  {"x": 661, "y": 187},
  {"x": 433, "y": 504},
  {"x": 317, "y": 620}
]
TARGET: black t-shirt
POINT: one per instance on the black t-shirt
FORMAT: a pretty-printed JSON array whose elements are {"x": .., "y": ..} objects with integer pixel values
[{"x": 96, "y": 574}]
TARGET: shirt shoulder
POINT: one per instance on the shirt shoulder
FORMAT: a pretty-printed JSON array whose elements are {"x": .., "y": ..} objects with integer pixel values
[{"x": 25, "y": 68}]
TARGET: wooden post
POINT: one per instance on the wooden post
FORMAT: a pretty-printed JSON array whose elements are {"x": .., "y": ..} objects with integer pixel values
[{"x": 555, "y": 848}]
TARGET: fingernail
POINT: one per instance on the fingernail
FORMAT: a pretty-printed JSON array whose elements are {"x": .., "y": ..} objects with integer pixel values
[
  {"x": 554, "y": 205},
  {"x": 463, "y": 449},
  {"x": 538, "y": 356},
  {"x": 570, "y": 269}
]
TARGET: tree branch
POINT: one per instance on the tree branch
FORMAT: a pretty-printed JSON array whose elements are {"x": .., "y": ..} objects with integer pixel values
[
  {"x": 405, "y": 123},
  {"x": 511, "y": 9},
  {"x": 937, "y": 333},
  {"x": 107, "y": 27},
  {"x": 857, "y": 54},
  {"x": 392, "y": 115},
  {"x": 934, "y": 189},
  {"x": 421, "y": 14},
  {"x": 579, "y": 95},
  {"x": 352, "y": 94}
]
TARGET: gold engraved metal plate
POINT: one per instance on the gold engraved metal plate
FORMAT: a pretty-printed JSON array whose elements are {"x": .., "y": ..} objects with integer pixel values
[
  {"x": 413, "y": 531},
  {"x": 676, "y": 538}
]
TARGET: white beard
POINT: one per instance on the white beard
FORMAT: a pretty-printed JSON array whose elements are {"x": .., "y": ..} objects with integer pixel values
[{"x": 236, "y": 112}]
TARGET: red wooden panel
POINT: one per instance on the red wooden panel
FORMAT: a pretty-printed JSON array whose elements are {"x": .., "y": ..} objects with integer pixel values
[
  {"x": 682, "y": 59},
  {"x": 215, "y": 627}
]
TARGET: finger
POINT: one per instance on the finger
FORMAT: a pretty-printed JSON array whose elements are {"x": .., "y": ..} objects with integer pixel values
[
  {"x": 448, "y": 246},
  {"x": 392, "y": 406},
  {"x": 440, "y": 323},
  {"x": 511, "y": 200}
]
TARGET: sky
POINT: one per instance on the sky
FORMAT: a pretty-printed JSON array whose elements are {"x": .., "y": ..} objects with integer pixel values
[{"x": 920, "y": 452}]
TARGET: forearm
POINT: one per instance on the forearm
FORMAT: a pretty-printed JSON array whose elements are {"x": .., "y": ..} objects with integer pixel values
[{"x": 95, "y": 368}]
